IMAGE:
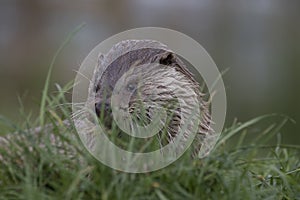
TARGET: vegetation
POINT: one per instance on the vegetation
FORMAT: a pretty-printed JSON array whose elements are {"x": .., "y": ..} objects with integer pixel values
[
  {"x": 242, "y": 166},
  {"x": 246, "y": 163}
]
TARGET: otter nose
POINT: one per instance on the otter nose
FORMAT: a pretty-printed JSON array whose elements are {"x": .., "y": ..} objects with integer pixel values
[{"x": 102, "y": 107}]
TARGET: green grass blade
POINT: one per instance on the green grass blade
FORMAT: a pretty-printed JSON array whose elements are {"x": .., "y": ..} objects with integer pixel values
[{"x": 46, "y": 86}]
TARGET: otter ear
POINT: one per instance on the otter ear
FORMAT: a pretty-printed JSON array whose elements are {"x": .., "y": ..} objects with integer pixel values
[
  {"x": 166, "y": 58},
  {"x": 100, "y": 58}
]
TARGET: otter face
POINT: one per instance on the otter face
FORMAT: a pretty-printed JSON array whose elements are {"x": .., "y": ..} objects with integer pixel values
[
  {"x": 139, "y": 88},
  {"x": 130, "y": 96},
  {"x": 127, "y": 71}
]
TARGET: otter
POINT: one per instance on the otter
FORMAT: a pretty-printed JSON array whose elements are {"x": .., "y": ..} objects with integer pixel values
[{"x": 152, "y": 77}]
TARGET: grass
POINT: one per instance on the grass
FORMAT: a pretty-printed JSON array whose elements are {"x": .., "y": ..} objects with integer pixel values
[
  {"x": 248, "y": 162},
  {"x": 47, "y": 81},
  {"x": 244, "y": 165}
]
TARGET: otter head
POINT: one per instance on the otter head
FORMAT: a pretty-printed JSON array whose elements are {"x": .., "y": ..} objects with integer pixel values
[
  {"x": 135, "y": 74},
  {"x": 139, "y": 82}
]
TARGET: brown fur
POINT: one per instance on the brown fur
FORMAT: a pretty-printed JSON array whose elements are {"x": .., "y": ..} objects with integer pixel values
[{"x": 160, "y": 83}]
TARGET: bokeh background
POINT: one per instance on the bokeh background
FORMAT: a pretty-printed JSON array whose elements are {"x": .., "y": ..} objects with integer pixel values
[{"x": 257, "y": 40}]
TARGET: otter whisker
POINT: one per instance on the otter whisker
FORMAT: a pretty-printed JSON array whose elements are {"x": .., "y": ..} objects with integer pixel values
[
  {"x": 81, "y": 104},
  {"x": 84, "y": 76}
]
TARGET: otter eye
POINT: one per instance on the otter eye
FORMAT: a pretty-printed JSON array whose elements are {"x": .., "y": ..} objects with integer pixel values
[{"x": 130, "y": 87}]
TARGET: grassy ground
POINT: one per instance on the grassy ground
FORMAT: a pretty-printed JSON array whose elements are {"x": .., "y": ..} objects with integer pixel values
[{"x": 244, "y": 165}]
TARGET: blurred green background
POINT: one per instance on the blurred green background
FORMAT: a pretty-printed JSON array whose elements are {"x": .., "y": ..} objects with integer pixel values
[{"x": 257, "y": 40}]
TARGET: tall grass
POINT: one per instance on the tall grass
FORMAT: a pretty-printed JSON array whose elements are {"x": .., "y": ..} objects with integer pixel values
[{"x": 38, "y": 165}]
